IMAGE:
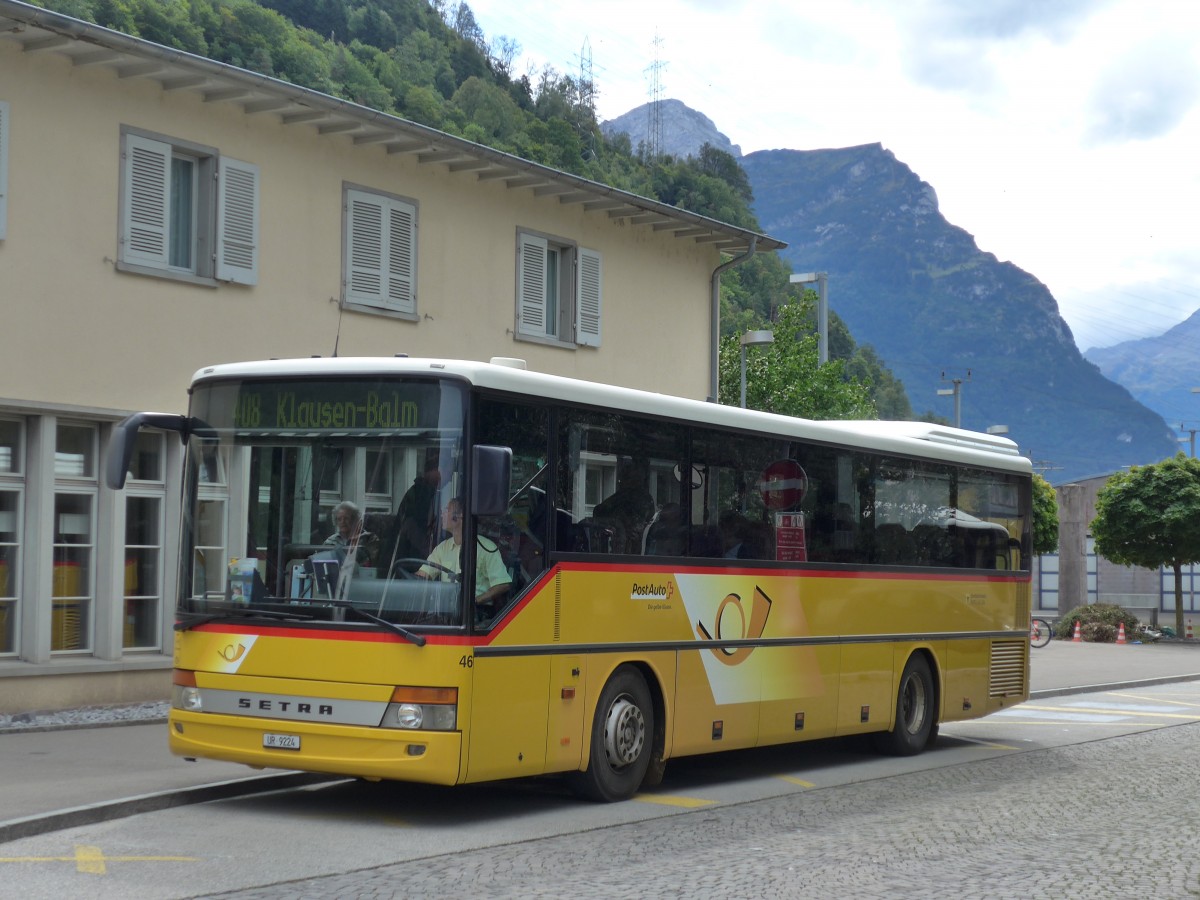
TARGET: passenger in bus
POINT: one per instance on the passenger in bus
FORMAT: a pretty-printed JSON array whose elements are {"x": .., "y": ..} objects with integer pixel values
[
  {"x": 350, "y": 537},
  {"x": 492, "y": 578},
  {"x": 630, "y": 506},
  {"x": 416, "y": 516},
  {"x": 667, "y": 533},
  {"x": 734, "y": 527}
]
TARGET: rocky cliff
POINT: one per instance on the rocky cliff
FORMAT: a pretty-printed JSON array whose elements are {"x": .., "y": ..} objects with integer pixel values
[{"x": 936, "y": 307}]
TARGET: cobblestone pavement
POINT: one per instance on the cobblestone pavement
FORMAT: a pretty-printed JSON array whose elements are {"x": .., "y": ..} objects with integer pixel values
[{"x": 1112, "y": 818}]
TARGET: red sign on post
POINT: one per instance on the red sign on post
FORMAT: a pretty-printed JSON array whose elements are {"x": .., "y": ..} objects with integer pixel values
[
  {"x": 783, "y": 484},
  {"x": 790, "y": 545}
]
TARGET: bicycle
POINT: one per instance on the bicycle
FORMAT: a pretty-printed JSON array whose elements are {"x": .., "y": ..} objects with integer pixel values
[{"x": 1040, "y": 632}]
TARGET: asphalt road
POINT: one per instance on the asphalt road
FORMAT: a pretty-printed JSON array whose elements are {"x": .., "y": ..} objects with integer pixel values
[{"x": 1079, "y": 795}]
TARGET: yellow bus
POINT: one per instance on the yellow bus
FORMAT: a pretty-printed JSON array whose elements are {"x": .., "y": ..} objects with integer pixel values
[{"x": 446, "y": 572}]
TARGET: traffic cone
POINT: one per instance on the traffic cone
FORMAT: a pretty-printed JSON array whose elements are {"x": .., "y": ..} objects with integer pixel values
[
  {"x": 1121, "y": 633},
  {"x": 1188, "y": 636},
  {"x": 1078, "y": 639}
]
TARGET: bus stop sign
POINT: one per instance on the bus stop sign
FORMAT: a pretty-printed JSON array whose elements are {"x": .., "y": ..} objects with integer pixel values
[{"x": 783, "y": 484}]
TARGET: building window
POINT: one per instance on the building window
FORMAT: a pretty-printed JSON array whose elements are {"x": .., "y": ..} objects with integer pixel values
[
  {"x": 11, "y": 513},
  {"x": 558, "y": 291},
  {"x": 380, "y": 255},
  {"x": 145, "y": 498},
  {"x": 4, "y": 119},
  {"x": 187, "y": 212},
  {"x": 209, "y": 524},
  {"x": 74, "y": 537}
]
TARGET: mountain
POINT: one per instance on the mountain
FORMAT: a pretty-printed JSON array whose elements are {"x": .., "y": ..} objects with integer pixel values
[
  {"x": 1159, "y": 371},
  {"x": 935, "y": 307},
  {"x": 684, "y": 130}
]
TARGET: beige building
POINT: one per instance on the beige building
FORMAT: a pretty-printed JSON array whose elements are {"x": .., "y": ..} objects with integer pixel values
[{"x": 160, "y": 212}]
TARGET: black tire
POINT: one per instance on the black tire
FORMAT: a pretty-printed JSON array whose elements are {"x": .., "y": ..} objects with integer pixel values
[
  {"x": 916, "y": 711},
  {"x": 622, "y": 738},
  {"x": 1040, "y": 632}
]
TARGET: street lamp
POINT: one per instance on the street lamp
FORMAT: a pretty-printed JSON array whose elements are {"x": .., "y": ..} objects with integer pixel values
[
  {"x": 956, "y": 393},
  {"x": 752, "y": 339},
  {"x": 822, "y": 281}
]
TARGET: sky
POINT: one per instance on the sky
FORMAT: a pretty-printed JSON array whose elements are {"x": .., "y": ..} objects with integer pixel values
[{"x": 1063, "y": 134}]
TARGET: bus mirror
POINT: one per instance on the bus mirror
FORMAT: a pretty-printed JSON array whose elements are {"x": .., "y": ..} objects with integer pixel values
[
  {"x": 492, "y": 472},
  {"x": 124, "y": 439}
]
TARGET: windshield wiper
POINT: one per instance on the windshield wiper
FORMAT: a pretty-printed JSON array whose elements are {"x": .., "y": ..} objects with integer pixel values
[
  {"x": 417, "y": 639},
  {"x": 228, "y": 615}
]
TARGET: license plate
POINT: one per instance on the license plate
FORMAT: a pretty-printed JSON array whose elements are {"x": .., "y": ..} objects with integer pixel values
[{"x": 282, "y": 741}]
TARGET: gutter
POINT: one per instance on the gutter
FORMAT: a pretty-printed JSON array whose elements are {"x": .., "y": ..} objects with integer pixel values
[{"x": 714, "y": 325}]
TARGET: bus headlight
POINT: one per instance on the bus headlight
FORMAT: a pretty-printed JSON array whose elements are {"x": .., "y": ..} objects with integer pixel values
[
  {"x": 423, "y": 709},
  {"x": 184, "y": 693},
  {"x": 187, "y": 698},
  {"x": 409, "y": 715}
]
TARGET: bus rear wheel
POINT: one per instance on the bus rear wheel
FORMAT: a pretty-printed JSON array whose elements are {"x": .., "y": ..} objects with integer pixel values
[
  {"x": 916, "y": 711},
  {"x": 622, "y": 731}
]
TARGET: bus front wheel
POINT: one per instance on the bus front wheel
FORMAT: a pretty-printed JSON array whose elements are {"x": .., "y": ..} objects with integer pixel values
[
  {"x": 916, "y": 711},
  {"x": 621, "y": 739}
]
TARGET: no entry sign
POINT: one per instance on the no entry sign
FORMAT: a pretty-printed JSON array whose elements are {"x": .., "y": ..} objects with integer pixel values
[{"x": 783, "y": 484}]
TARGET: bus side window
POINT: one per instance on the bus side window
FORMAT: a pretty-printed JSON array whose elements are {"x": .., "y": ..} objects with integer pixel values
[{"x": 521, "y": 535}]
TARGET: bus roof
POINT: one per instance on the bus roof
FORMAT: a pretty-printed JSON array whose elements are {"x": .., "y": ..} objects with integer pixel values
[{"x": 921, "y": 439}]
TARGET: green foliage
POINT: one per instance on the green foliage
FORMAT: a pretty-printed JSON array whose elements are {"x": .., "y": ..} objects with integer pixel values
[
  {"x": 1098, "y": 623},
  {"x": 783, "y": 377},
  {"x": 1149, "y": 516},
  {"x": 1045, "y": 517}
]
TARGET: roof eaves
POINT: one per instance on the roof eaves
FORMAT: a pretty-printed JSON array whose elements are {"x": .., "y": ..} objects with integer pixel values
[{"x": 85, "y": 44}]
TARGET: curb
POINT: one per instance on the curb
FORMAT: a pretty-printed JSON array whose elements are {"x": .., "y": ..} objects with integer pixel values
[{"x": 29, "y": 826}]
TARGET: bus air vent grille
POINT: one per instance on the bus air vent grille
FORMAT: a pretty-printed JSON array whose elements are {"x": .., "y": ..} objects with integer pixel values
[{"x": 1006, "y": 674}]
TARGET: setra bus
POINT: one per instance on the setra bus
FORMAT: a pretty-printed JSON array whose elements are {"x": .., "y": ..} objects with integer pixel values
[{"x": 619, "y": 577}]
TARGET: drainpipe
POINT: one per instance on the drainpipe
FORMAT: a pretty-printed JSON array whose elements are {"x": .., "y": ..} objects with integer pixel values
[{"x": 714, "y": 332}]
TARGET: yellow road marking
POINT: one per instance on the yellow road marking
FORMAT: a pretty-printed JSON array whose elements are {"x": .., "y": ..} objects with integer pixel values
[
  {"x": 1051, "y": 723},
  {"x": 92, "y": 861},
  {"x": 89, "y": 860},
  {"x": 793, "y": 780},
  {"x": 1156, "y": 699},
  {"x": 668, "y": 800},
  {"x": 1098, "y": 711},
  {"x": 986, "y": 745}
]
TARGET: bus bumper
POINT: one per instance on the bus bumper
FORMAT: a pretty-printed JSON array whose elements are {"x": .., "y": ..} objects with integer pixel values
[{"x": 430, "y": 757}]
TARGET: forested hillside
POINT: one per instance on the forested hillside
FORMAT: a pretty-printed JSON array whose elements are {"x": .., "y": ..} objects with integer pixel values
[{"x": 431, "y": 63}]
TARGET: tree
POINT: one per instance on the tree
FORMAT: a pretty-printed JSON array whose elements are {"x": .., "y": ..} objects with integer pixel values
[
  {"x": 1150, "y": 517},
  {"x": 1045, "y": 517},
  {"x": 784, "y": 376}
]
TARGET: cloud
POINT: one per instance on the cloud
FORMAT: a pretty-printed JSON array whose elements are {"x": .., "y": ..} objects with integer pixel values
[
  {"x": 1144, "y": 94},
  {"x": 951, "y": 42},
  {"x": 1006, "y": 19}
]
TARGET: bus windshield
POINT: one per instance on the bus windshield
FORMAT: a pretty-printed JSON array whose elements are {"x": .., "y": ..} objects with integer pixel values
[{"x": 321, "y": 499}]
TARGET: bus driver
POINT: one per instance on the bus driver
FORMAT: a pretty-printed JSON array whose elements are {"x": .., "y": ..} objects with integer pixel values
[{"x": 492, "y": 578}]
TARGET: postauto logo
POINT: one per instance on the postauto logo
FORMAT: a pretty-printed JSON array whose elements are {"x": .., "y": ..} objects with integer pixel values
[{"x": 652, "y": 591}]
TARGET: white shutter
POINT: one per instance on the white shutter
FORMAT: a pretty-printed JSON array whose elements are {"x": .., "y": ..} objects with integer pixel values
[
  {"x": 531, "y": 285},
  {"x": 145, "y": 201},
  {"x": 587, "y": 299},
  {"x": 4, "y": 117},
  {"x": 380, "y": 252},
  {"x": 237, "y": 222},
  {"x": 401, "y": 256}
]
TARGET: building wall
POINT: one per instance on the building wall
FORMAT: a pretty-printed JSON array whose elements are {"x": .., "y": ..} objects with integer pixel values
[
  {"x": 83, "y": 343},
  {"x": 64, "y": 175}
]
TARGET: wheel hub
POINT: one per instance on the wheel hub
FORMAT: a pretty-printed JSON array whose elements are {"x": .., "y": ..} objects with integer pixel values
[{"x": 624, "y": 733}]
